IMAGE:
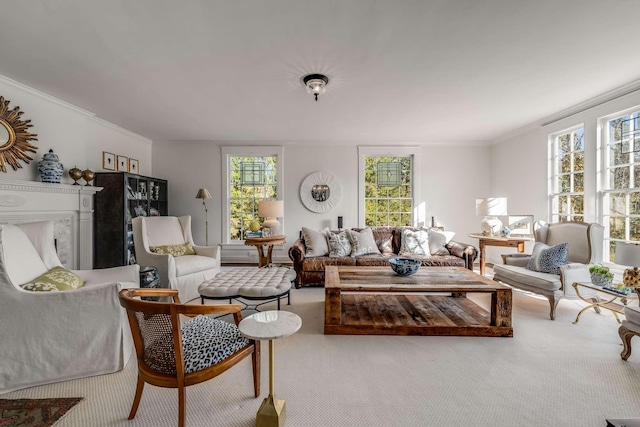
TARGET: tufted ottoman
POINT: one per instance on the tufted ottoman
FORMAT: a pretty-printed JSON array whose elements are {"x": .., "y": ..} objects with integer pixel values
[{"x": 258, "y": 284}]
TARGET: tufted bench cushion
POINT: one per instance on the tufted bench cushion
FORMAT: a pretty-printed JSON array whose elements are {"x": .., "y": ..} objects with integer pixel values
[{"x": 249, "y": 282}]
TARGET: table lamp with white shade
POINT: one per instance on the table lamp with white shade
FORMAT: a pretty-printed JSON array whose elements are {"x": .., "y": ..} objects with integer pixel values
[
  {"x": 271, "y": 210},
  {"x": 491, "y": 208},
  {"x": 627, "y": 254}
]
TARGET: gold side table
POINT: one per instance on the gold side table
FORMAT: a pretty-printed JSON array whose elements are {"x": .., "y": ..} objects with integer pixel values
[
  {"x": 270, "y": 325},
  {"x": 596, "y": 303}
]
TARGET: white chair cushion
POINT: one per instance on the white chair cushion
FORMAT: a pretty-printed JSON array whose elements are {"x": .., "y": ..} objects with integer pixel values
[
  {"x": 22, "y": 263},
  {"x": 249, "y": 282},
  {"x": 546, "y": 281},
  {"x": 188, "y": 264}
]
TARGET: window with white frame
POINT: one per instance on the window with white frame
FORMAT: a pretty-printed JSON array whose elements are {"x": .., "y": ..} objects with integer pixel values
[
  {"x": 567, "y": 175},
  {"x": 621, "y": 179},
  {"x": 387, "y": 186},
  {"x": 252, "y": 174}
]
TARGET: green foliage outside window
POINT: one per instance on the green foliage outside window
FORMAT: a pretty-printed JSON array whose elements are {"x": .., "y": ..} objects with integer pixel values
[
  {"x": 388, "y": 205},
  {"x": 243, "y": 206},
  {"x": 568, "y": 194}
]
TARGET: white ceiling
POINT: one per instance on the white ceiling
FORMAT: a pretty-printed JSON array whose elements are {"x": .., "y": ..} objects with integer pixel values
[{"x": 427, "y": 71}]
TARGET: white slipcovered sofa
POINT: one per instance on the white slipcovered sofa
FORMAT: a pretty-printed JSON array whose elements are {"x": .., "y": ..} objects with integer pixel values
[
  {"x": 184, "y": 273},
  {"x": 47, "y": 337},
  {"x": 585, "y": 247}
]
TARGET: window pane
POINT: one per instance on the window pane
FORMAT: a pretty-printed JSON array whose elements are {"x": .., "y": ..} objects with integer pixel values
[
  {"x": 383, "y": 206},
  {"x": 564, "y": 164},
  {"x": 564, "y": 144},
  {"x": 565, "y": 183},
  {"x": 634, "y": 203},
  {"x": 616, "y": 157},
  {"x": 634, "y": 229},
  {"x": 578, "y": 161},
  {"x": 619, "y": 178},
  {"x": 616, "y": 227},
  {"x": 562, "y": 204},
  {"x": 578, "y": 140},
  {"x": 577, "y": 204},
  {"x": 578, "y": 182},
  {"x": 617, "y": 202}
]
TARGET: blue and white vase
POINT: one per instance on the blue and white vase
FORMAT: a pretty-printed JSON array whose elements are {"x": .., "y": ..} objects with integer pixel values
[{"x": 50, "y": 168}]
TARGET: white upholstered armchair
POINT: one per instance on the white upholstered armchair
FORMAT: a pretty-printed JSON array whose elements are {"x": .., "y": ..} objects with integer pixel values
[
  {"x": 184, "y": 272},
  {"x": 47, "y": 337}
]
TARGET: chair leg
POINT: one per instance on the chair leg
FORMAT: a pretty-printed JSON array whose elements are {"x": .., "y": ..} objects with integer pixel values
[
  {"x": 136, "y": 399},
  {"x": 255, "y": 363},
  {"x": 182, "y": 397},
  {"x": 553, "y": 302},
  {"x": 625, "y": 335}
]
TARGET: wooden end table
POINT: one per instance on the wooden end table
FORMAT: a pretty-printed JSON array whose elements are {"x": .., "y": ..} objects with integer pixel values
[
  {"x": 511, "y": 241},
  {"x": 265, "y": 242}
]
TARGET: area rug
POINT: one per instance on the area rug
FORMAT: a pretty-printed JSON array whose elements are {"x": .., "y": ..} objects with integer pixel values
[{"x": 34, "y": 412}]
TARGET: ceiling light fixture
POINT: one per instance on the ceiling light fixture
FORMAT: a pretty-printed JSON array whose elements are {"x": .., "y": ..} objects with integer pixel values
[{"x": 315, "y": 83}]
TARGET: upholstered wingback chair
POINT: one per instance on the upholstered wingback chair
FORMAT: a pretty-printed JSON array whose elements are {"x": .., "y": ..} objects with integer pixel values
[
  {"x": 585, "y": 247},
  {"x": 47, "y": 337},
  {"x": 184, "y": 272}
]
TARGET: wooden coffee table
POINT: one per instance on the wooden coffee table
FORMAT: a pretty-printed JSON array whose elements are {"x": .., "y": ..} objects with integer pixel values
[{"x": 376, "y": 301}]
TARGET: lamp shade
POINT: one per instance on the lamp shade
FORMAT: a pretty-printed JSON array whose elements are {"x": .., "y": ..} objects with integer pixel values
[
  {"x": 628, "y": 254},
  {"x": 491, "y": 206},
  {"x": 271, "y": 208},
  {"x": 203, "y": 193}
]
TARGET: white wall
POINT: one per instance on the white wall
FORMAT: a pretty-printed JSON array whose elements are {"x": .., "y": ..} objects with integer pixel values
[
  {"x": 451, "y": 179},
  {"x": 75, "y": 135},
  {"x": 519, "y": 164}
]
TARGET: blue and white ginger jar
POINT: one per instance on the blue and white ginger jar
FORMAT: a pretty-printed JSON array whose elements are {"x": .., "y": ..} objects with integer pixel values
[{"x": 50, "y": 168}]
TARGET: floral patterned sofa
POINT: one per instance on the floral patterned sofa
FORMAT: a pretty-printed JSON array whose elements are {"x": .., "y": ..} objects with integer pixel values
[{"x": 309, "y": 264}]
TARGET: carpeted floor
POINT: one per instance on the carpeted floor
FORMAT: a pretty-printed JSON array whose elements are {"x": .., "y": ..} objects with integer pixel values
[
  {"x": 34, "y": 412},
  {"x": 552, "y": 373}
]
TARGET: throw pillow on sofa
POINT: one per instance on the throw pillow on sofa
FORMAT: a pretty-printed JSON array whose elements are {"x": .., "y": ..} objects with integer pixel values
[
  {"x": 339, "y": 244},
  {"x": 438, "y": 241},
  {"x": 415, "y": 242},
  {"x": 362, "y": 242},
  {"x": 54, "y": 280},
  {"x": 547, "y": 259},
  {"x": 316, "y": 242}
]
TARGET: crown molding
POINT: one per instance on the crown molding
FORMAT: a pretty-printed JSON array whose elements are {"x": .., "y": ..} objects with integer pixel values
[
  {"x": 7, "y": 82},
  {"x": 122, "y": 130},
  {"x": 568, "y": 112}
]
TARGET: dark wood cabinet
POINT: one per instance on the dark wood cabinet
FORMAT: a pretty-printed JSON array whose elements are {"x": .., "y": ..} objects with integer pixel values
[{"x": 124, "y": 196}]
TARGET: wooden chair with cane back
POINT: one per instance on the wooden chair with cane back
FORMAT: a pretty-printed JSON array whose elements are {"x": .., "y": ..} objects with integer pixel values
[{"x": 177, "y": 354}]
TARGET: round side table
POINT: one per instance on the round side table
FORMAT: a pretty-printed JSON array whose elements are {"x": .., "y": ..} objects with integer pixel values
[{"x": 270, "y": 325}]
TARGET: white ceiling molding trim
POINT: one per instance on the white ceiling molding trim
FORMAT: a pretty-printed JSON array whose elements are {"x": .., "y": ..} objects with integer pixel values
[{"x": 7, "y": 82}]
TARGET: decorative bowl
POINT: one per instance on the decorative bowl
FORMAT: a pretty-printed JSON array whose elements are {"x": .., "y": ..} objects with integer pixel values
[{"x": 404, "y": 266}]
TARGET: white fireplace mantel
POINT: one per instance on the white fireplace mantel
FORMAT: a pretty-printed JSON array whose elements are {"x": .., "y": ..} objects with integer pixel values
[{"x": 70, "y": 207}]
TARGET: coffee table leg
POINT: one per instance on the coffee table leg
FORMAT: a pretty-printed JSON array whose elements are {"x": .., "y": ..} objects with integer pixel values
[{"x": 272, "y": 412}]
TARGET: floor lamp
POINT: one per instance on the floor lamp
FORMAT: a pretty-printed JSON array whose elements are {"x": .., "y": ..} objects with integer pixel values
[{"x": 204, "y": 194}]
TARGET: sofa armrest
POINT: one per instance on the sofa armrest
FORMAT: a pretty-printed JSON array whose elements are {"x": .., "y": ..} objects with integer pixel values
[
  {"x": 297, "y": 251},
  {"x": 520, "y": 260},
  {"x": 462, "y": 250}
]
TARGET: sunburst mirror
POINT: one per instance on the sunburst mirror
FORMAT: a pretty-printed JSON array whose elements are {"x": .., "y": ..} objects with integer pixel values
[{"x": 14, "y": 137}]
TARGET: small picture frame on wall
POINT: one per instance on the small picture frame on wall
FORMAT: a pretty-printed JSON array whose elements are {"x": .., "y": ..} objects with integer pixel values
[
  {"x": 123, "y": 164},
  {"x": 133, "y": 166},
  {"x": 521, "y": 225},
  {"x": 108, "y": 161}
]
